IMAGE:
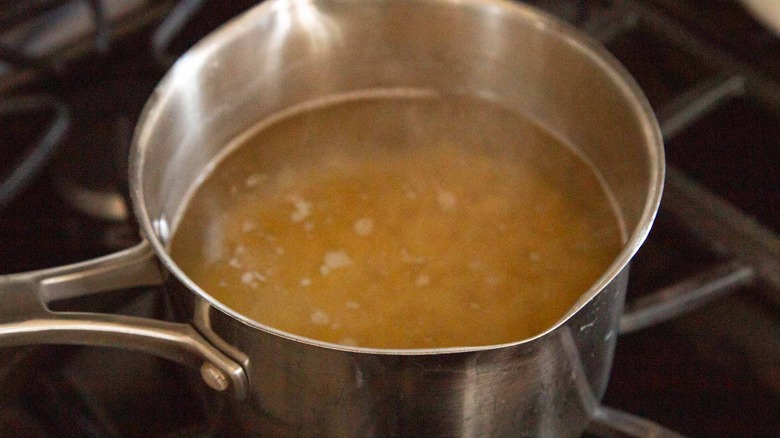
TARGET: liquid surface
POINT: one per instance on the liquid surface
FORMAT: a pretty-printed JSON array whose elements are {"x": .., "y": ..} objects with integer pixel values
[{"x": 400, "y": 223}]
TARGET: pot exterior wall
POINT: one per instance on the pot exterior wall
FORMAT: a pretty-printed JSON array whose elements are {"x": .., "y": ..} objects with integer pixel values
[{"x": 544, "y": 387}]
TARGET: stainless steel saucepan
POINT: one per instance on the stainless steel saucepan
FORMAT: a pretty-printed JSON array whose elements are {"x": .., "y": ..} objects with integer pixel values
[{"x": 284, "y": 53}]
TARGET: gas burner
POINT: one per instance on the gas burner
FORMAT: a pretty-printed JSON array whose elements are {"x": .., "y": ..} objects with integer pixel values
[
  {"x": 37, "y": 148},
  {"x": 42, "y": 38}
]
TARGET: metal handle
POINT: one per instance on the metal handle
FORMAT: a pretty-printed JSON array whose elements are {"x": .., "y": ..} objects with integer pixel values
[{"x": 26, "y": 319}]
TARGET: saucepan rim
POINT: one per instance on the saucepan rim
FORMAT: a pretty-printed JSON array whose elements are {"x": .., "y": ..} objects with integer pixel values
[{"x": 596, "y": 54}]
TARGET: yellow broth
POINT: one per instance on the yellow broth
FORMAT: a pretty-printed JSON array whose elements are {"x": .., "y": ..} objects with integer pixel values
[{"x": 400, "y": 222}]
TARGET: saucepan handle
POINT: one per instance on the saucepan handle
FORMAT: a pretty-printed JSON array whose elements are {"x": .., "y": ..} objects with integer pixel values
[{"x": 26, "y": 319}]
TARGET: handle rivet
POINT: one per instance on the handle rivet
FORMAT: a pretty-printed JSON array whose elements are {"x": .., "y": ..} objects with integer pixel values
[{"x": 213, "y": 377}]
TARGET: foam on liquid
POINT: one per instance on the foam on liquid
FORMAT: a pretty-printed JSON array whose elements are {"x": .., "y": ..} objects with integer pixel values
[{"x": 416, "y": 222}]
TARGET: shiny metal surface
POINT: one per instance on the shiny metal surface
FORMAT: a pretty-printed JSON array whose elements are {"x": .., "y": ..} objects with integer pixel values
[
  {"x": 545, "y": 387},
  {"x": 286, "y": 52},
  {"x": 26, "y": 319}
]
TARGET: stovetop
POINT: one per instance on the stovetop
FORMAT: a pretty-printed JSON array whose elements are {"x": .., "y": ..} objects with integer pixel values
[{"x": 707, "y": 364}]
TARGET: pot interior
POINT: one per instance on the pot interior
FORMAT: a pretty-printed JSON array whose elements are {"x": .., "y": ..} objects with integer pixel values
[{"x": 284, "y": 54}]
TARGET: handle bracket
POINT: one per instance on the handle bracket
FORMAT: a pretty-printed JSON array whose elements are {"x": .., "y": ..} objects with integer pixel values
[{"x": 26, "y": 319}]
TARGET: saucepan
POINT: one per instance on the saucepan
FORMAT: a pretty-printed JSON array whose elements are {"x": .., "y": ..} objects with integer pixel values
[{"x": 284, "y": 53}]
